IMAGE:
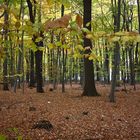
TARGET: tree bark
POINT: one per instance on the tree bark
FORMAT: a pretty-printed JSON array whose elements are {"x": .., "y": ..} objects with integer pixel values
[
  {"x": 63, "y": 56},
  {"x": 116, "y": 51},
  {"x": 39, "y": 57},
  {"x": 107, "y": 77},
  {"x": 5, "y": 65},
  {"x": 38, "y": 61},
  {"x": 32, "y": 13},
  {"x": 137, "y": 47},
  {"x": 89, "y": 87}
]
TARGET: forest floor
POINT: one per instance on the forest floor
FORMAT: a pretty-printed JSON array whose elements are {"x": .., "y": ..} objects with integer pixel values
[{"x": 72, "y": 116}]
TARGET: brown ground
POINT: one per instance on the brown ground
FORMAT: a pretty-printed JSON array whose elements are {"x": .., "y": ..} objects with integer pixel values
[{"x": 73, "y": 117}]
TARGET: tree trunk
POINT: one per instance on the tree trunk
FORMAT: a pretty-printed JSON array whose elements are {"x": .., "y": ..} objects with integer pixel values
[
  {"x": 107, "y": 77},
  {"x": 63, "y": 57},
  {"x": 38, "y": 61},
  {"x": 32, "y": 13},
  {"x": 5, "y": 65},
  {"x": 138, "y": 3},
  {"x": 131, "y": 63},
  {"x": 39, "y": 57},
  {"x": 116, "y": 51},
  {"x": 89, "y": 87}
]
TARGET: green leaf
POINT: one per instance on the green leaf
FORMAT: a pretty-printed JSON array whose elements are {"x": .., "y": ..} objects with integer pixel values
[
  {"x": 65, "y": 46},
  {"x": 49, "y": 2},
  {"x": 2, "y": 137},
  {"x": 65, "y": 3},
  {"x": 127, "y": 39},
  {"x": 120, "y": 33},
  {"x": 89, "y": 36},
  {"x": 15, "y": 130},
  {"x": 58, "y": 44},
  {"x": 51, "y": 46},
  {"x": 77, "y": 55},
  {"x": 114, "y": 39},
  {"x": 38, "y": 39},
  {"x": 73, "y": 25},
  {"x": 79, "y": 47},
  {"x": 88, "y": 24},
  {"x": 138, "y": 38},
  {"x": 19, "y": 138},
  {"x": 101, "y": 33},
  {"x": 91, "y": 58},
  {"x": 18, "y": 75},
  {"x": 86, "y": 30},
  {"x": 41, "y": 48}
]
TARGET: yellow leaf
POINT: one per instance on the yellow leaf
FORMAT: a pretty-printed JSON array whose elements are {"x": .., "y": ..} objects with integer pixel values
[
  {"x": 41, "y": 48},
  {"x": 114, "y": 39},
  {"x": 66, "y": 3},
  {"x": 79, "y": 47},
  {"x": 89, "y": 36},
  {"x": 90, "y": 58},
  {"x": 77, "y": 55},
  {"x": 128, "y": 38},
  {"x": 14, "y": 12},
  {"x": 51, "y": 46},
  {"x": 49, "y": 2},
  {"x": 120, "y": 33},
  {"x": 86, "y": 30},
  {"x": 138, "y": 38},
  {"x": 58, "y": 43},
  {"x": 101, "y": 33},
  {"x": 38, "y": 39}
]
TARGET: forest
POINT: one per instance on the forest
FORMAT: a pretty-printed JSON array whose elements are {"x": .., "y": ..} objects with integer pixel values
[{"x": 69, "y": 70}]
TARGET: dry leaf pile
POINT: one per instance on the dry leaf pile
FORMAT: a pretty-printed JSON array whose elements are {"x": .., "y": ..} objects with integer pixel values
[{"x": 68, "y": 116}]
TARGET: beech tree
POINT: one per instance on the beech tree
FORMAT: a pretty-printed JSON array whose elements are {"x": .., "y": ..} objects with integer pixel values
[
  {"x": 89, "y": 87},
  {"x": 38, "y": 53},
  {"x": 5, "y": 64},
  {"x": 64, "y": 43},
  {"x": 116, "y": 14},
  {"x": 32, "y": 15}
]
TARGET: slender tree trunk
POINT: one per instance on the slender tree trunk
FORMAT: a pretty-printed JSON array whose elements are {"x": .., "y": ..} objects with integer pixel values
[
  {"x": 137, "y": 62},
  {"x": 63, "y": 56},
  {"x": 127, "y": 65},
  {"x": 20, "y": 54},
  {"x": 107, "y": 66},
  {"x": 131, "y": 61},
  {"x": 5, "y": 64},
  {"x": 123, "y": 69},
  {"x": 138, "y": 3},
  {"x": 116, "y": 51},
  {"x": 22, "y": 46},
  {"x": 131, "y": 52},
  {"x": 32, "y": 71},
  {"x": 19, "y": 68},
  {"x": 32, "y": 13},
  {"x": 82, "y": 72},
  {"x": 12, "y": 63},
  {"x": 89, "y": 87}
]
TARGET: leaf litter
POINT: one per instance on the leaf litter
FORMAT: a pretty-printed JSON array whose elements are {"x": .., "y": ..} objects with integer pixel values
[{"x": 70, "y": 116}]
